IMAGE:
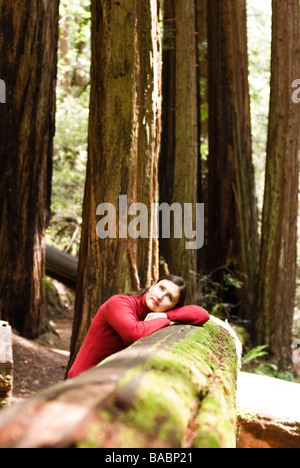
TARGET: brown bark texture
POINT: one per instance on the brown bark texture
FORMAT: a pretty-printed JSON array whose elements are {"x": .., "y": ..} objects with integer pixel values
[
  {"x": 28, "y": 45},
  {"x": 232, "y": 209},
  {"x": 278, "y": 259},
  {"x": 124, "y": 136}
]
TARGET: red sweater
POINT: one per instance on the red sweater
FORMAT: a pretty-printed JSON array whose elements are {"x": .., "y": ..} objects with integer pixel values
[{"x": 119, "y": 322}]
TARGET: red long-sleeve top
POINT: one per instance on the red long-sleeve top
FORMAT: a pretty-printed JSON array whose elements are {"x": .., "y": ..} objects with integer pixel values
[{"x": 119, "y": 322}]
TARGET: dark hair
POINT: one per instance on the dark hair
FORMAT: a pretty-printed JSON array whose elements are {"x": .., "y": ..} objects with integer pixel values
[{"x": 176, "y": 280}]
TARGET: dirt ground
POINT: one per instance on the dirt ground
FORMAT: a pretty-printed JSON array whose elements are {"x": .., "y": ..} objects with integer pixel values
[{"x": 41, "y": 363}]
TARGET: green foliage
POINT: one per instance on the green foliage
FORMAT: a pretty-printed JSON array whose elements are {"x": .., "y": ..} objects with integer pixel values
[
  {"x": 251, "y": 362},
  {"x": 70, "y": 144},
  {"x": 74, "y": 60},
  {"x": 254, "y": 353},
  {"x": 259, "y": 47},
  {"x": 270, "y": 369},
  {"x": 209, "y": 292}
]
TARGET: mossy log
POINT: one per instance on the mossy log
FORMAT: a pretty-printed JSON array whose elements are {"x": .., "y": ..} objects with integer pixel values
[
  {"x": 173, "y": 389},
  {"x": 6, "y": 364}
]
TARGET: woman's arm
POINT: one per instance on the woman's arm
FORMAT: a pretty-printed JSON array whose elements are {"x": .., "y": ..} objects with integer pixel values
[
  {"x": 123, "y": 319},
  {"x": 189, "y": 314}
]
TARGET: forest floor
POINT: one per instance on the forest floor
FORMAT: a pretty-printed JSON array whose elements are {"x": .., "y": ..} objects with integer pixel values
[{"x": 39, "y": 364}]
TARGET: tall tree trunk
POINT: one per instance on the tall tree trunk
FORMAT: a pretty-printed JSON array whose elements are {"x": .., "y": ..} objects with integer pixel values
[
  {"x": 180, "y": 148},
  {"x": 277, "y": 273},
  {"x": 124, "y": 134},
  {"x": 232, "y": 209},
  {"x": 28, "y": 45}
]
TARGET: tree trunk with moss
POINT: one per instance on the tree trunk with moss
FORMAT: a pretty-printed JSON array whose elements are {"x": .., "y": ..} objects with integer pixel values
[
  {"x": 278, "y": 260},
  {"x": 28, "y": 58},
  {"x": 232, "y": 210},
  {"x": 174, "y": 388},
  {"x": 123, "y": 142}
]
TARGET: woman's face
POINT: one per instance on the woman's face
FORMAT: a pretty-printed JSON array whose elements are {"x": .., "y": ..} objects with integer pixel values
[{"x": 162, "y": 296}]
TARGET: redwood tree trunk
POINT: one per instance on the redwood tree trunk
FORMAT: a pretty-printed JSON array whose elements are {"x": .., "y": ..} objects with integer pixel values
[
  {"x": 124, "y": 134},
  {"x": 28, "y": 46},
  {"x": 180, "y": 141},
  {"x": 232, "y": 209},
  {"x": 278, "y": 261}
]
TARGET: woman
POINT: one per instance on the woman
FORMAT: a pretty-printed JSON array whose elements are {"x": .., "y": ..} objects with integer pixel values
[{"x": 124, "y": 319}]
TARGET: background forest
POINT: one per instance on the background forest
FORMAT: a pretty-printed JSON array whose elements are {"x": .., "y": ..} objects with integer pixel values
[{"x": 189, "y": 110}]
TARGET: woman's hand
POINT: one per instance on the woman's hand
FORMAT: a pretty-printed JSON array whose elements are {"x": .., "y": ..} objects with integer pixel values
[{"x": 156, "y": 315}]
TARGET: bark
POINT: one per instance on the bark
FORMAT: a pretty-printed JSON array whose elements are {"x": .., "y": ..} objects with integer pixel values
[
  {"x": 232, "y": 209},
  {"x": 278, "y": 260},
  {"x": 180, "y": 148},
  {"x": 174, "y": 388},
  {"x": 124, "y": 135},
  {"x": 28, "y": 45}
]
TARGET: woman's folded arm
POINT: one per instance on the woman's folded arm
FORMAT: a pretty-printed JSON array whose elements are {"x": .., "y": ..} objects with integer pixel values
[{"x": 189, "y": 314}]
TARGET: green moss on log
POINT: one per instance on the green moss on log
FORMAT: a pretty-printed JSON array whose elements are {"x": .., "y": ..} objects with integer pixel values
[
  {"x": 173, "y": 389},
  {"x": 188, "y": 386}
]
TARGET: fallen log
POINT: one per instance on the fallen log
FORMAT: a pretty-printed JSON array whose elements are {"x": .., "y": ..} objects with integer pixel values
[
  {"x": 61, "y": 266},
  {"x": 174, "y": 388},
  {"x": 6, "y": 364}
]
